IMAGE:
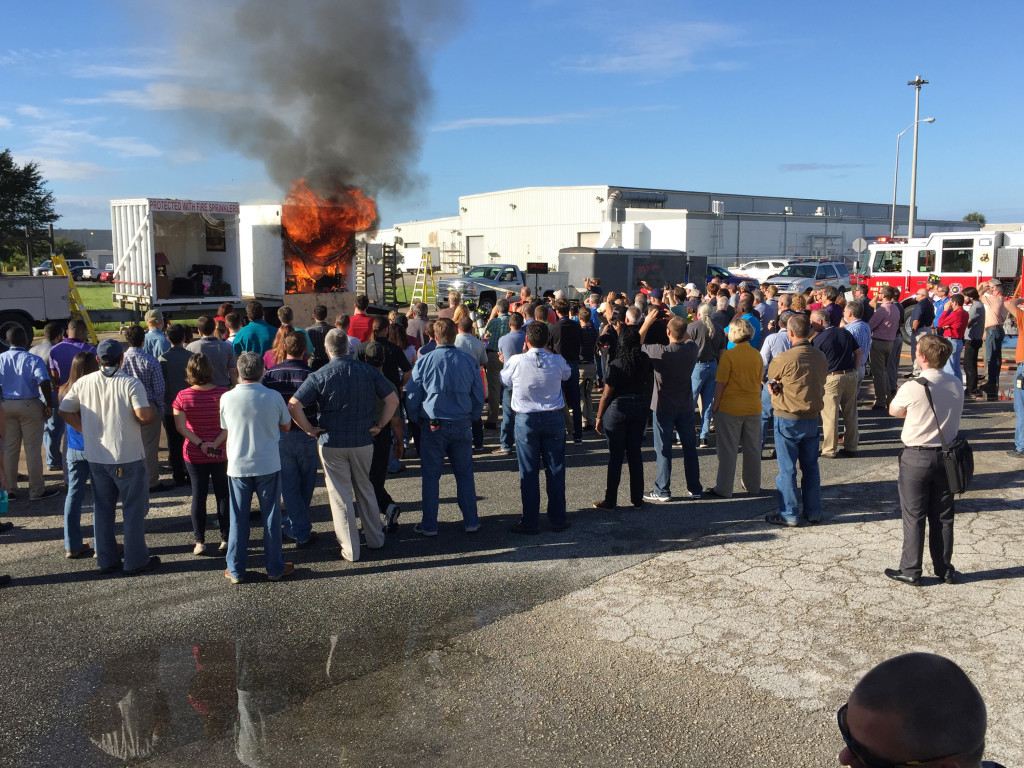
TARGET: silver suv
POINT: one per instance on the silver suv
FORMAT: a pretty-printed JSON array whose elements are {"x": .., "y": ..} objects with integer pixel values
[{"x": 797, "y": 278}]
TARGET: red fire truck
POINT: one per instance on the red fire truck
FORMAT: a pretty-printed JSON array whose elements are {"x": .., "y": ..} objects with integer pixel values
[{"x": 958, "y": 259}]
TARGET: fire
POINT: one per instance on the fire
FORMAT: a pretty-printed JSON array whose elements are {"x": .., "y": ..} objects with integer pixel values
[{"x": 319, "y": 235}]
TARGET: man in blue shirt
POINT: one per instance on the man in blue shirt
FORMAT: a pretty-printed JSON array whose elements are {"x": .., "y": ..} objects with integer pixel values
[
  {"x": 297, "y": 449},
  {"x": 843, "y": 357},
  {"x": 536, "y": 380},
  {"x": 257, "y": 336},
  {"x": 345, "y": 392},
  {"x": 28, "y": 401},
  {"x": 156, "y": 342},
  {"x": 510, "y": 345},
  {"x": 444, "y": 395},
  {"x": 745, "y": 309}
]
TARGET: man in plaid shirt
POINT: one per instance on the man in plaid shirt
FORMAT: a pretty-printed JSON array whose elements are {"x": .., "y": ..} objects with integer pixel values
[{"x": 146, "y": 369}]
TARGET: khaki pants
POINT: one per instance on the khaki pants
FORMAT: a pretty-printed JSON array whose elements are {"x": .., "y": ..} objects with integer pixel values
[
  {"x": 24, "y": 421},
  {"x": 840, "y": 397},
  {"x": 347, "y": 477},
  {"x": 151, "y": 446},
  {"x": 733, "y": 433}
]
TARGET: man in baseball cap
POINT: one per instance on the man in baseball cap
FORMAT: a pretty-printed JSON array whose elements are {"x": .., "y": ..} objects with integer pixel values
[{"x": 109, "y": 408}]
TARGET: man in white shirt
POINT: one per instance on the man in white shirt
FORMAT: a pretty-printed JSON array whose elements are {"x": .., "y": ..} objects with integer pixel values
[
  {"x": 536, "y": 378},
  {"x": 923, "y": 488},
  {"x": 110, "y": 408}
]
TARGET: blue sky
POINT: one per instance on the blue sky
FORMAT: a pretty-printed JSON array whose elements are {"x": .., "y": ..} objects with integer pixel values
[{"x": 801, "y": 99}]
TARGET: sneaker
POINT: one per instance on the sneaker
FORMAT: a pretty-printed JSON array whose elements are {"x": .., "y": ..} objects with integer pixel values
[
  {"x": 418, "y": 528},
  {"x": 703, "y": 443},
  {"x": 691, "y": 495},
  {"x": 577, "y": 441},
  {"x": 656, "y": 498},
  {"x": 1013, "y": 452},
  {"x": 472, "y": 528},
  {"x": 152, "y": 564},
  {"x": 223, "y": 547},
  {"x": 501, "y": 451},
  {"x": 391, "y": 516},
  {"x": 83, "y": 551},
  {"x": 46, "y": 494},
  {"x": 233, "y": 579},
  {"x": 780, "y": 520},
  {"x": 199, "y": 548},
  {"x": 289, "y": 569}
]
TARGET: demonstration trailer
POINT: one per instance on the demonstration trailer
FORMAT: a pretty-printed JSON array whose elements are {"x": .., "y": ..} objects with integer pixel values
[{"x": 179, "y": 256}]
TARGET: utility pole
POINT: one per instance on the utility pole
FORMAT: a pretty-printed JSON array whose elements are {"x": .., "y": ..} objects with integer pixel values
[{"x": 917, "y": 82}]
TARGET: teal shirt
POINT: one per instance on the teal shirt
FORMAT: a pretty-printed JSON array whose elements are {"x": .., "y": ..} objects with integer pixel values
[{"x": 257, "y": 337}]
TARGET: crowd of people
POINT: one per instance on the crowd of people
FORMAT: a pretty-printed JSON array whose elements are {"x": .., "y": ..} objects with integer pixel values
[{"x": 256, "y": 410}]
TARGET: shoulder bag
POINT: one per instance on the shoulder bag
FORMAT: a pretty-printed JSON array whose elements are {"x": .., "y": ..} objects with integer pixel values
[{"x": 957, "y": 457}]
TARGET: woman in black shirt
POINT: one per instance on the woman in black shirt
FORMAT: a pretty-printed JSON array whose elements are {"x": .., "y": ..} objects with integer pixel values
[{"x": 622, "y": 416}]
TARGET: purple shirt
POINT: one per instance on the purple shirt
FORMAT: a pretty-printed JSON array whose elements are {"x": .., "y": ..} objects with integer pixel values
[
  {"x": 62, "y": 355},
  {"x": 885, "y": 322}
]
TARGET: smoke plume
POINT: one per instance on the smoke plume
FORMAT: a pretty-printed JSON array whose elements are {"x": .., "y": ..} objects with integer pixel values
[{"x": 333, "y": 91}]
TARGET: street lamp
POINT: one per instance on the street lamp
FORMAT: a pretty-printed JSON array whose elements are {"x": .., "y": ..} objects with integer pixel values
[
  {"x": 895, "y": 182},
  {"x": 917, "y": 82}
]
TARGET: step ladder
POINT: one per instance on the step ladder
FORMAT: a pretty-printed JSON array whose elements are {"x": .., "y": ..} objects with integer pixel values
[
  {"x": 424, "y": 290},
  {"x": 390, "y": 274},
  {"x": 78, "y": 310}
]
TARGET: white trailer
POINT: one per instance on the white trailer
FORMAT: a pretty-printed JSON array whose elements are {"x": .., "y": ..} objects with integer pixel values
[{"x": 180, "y": 256}]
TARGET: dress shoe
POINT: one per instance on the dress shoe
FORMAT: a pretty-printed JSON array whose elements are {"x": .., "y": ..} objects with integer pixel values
[
  {"x": 47, "y": 493},
  {"x": 308, "y": 542},
  {"x": 897, "y": 575},
  {"x": 559, "y": 528},
  {"x": 289, "y": 569},
  {"x": 5, "y": 527},
  {"x": 950, "y": 576},
  {"x": 777, "y": 519},
  {"x": 712, "y": 493},
  {"x": 602, "y": 504},
  {"x": 83, "y": 551}
]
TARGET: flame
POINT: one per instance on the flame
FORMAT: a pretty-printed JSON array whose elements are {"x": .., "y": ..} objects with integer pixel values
[{"x": 321, "y": 235}]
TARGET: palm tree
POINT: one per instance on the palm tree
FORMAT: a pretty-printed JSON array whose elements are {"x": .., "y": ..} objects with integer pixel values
[{"x": 975, "y": 216}]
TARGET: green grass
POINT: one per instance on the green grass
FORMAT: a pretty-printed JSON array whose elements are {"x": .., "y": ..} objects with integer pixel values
[{"x": 96, "y": 295}]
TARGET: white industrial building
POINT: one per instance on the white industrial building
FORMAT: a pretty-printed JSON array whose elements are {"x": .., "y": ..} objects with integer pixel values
[{"x": 531, "y": 224}]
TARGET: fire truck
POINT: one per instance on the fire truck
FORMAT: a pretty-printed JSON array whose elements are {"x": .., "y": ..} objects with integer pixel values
[{"x": 957, "y": 259}]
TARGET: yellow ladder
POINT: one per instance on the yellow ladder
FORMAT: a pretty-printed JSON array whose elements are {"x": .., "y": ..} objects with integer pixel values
[
  {"x": 78, "y": 309},
  {"x": 424, "y": 290}
]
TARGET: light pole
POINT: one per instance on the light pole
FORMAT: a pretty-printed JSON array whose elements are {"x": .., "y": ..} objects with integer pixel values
[
  {"x": 917, "y": 82},
  {"x": 896, "y": 179}
]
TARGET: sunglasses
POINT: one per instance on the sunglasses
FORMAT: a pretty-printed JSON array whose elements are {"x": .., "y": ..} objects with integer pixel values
[{"x": 863, "y": 754}]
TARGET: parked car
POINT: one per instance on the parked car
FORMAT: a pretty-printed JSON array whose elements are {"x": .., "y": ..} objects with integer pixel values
[
  {"x": 723, "y": 275},
  {"x": 797, "y": 278},
  {"x": 762, "y": 269},
  {"x": 107, "y": 275},
  {"x": 77, "y": 267}
]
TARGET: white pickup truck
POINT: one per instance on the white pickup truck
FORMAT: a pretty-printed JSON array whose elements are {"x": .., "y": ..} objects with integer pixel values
[{"x": 486, "y": 283}]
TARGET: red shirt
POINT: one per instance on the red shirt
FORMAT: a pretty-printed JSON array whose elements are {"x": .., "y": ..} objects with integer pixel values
[
  {"x": 202, "y": 415},
  {"x": 953, "y": 323},
  {"x": 361, "y": 326}
]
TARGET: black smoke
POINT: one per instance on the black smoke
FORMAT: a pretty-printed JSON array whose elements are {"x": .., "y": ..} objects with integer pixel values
[{"x": 333, "y": 91}]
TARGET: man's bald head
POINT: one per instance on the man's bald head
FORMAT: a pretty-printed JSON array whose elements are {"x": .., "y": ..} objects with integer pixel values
[{"x": 932, "y": 703}]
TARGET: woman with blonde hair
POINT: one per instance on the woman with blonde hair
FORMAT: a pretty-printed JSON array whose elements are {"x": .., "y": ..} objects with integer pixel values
[
  {"x": 276, "y": 354},
  {"x": 737, "y": 410}
]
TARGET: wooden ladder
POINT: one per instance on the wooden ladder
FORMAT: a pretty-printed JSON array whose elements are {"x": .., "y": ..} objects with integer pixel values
[
  {"x": 424, "y": 290},
  {"x": 78, "y": 310}
]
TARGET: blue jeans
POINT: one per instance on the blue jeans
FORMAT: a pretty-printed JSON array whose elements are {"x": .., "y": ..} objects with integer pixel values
[
  {"x": 53, "y": 432},
  {"x": 268, "y": 490},
  {"x": 571, "y": 397},
  {"x": 540, "y": 441},
  {"x": 664, "y": 426},
  {"x": 702, "y": 381},
  {"x": 132, "y": 487},
  {"x": 953, "y": 364},
  {"x": 796, "y": 440},
  {"x": 455, "y": 440},
  {"x": 508, "y": 420},
  {"x": 767, "y": 414},
  {"x": 994, "y": 352},
  {"x": 1018, "y": 407},
  {"x": 78, "y": 478},
  {"x": 299, "y": 462}
]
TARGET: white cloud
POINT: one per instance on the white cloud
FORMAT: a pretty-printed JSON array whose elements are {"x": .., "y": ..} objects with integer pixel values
[
  {"x": 664, "y": 50},
  {"x": 185, "y": 156},
  {"x": 5, "y": 122},
  {"x": 501, "y": 122},
  {"x": 128, "y": 146},
  {"x": 70, "y": 170},
  {"x": 34, "y": 113},
  {"x": 164, "y": 96},
  {"x": 127, "y": 71}
]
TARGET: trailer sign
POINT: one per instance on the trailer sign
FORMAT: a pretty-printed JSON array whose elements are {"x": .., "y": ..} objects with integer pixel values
[{"x": 191, "y": 206}]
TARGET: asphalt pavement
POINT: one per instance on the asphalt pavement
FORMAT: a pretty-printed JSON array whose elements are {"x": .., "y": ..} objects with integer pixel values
[{"x": 689, "y": 633}]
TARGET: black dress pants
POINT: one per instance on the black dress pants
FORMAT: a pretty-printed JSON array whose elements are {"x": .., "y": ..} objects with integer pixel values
[{"x": 925, "y": 497}]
